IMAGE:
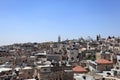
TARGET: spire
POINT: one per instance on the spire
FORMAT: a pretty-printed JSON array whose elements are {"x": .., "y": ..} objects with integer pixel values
[{"x": 98, "y": 37}]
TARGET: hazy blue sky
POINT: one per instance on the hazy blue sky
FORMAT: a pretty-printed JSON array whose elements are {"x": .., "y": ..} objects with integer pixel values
[{"x": 44, "y": 20}]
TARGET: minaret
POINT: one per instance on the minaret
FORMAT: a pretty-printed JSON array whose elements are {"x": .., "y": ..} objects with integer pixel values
[{"x": 59, "y": 39}]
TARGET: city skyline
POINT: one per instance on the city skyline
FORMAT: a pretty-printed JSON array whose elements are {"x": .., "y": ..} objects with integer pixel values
[{"x": 44, "y": 20}]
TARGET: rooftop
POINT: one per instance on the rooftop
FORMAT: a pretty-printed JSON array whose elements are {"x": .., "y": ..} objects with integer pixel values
[
  {"x": 5, "y": 69},
  {"x": 103, "y": 61},
  {"x": 79, "y": 69}
]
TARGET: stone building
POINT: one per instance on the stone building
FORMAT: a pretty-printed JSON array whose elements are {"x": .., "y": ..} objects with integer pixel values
[{"x": 100, "y": 65}]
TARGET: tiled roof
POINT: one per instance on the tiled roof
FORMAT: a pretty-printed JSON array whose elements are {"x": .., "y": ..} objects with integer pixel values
[
  {"x": 79, "y": 69},
  {"x": 103, "y": 61}
]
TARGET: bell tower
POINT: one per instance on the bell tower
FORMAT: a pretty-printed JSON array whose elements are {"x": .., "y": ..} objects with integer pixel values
[{"x": 59, "y": 39}]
